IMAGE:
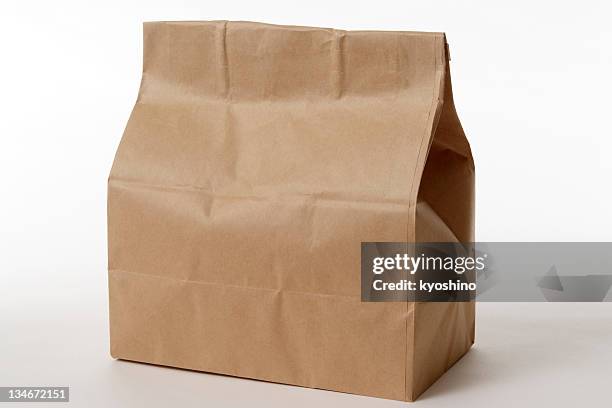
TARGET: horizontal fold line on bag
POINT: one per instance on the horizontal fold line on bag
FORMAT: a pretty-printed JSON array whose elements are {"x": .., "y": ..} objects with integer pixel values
[
  {"x": 158, "y": 92},
  {"x": 233, "y": 286},
  {"x": 325, "y": 196}
]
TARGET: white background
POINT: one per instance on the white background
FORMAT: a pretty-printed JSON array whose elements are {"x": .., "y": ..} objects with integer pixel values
[{"x": 532, "y": 85}]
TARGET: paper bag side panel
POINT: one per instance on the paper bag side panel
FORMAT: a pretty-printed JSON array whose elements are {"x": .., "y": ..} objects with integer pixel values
[
  {"x": 444, "y": 332},
  {"x": 447, "y": 182},
  {"x": 433, "y": 116}
]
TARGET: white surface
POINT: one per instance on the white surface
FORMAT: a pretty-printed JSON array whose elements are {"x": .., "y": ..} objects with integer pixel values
[
  {"x": 540, "y": 354},
  {"x": 532, "y": 87}
]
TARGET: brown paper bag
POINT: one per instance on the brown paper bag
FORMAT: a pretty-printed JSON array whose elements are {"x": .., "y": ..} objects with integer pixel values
[{"x": 256, "y": 160}]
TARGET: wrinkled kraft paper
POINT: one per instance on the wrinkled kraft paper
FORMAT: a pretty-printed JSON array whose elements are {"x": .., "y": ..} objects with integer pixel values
[{"x": 256, "y": 160}]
